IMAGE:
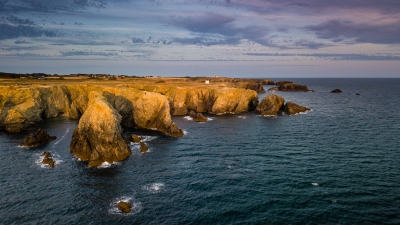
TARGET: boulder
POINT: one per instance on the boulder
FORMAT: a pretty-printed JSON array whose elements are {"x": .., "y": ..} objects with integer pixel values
[
  {"x": 197, "y": 117},
  {"x": 337, "y": 91},
  {"x": 143, "y": 147},
  {"x": 40, "y": 138},
  {"x": 291, "y": 108},
  {"x": 124, "y": 207},
  {"x": 136, "y": 138},
  {"x": 98, "y": 137},
  {"x": 270, "y": 105},
  {"x": 48, "y": 159}
]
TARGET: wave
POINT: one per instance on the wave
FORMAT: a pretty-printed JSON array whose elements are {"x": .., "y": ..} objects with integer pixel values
[
  {"x": 105, "y": 165},
  {"x": 314, "y": 184},
  {"x": 154, "y": 187},
  {"x": 242, "y": 117},
  {"x": 136, "y": 206},
  {"x": 188, "y": 118}
]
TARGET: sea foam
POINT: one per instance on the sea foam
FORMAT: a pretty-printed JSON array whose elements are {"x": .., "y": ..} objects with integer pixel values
[{"x": 154, "y": 187}]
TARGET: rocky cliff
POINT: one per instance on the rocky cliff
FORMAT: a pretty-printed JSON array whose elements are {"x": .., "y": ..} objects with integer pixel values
[{"x": 224, "y": 100}]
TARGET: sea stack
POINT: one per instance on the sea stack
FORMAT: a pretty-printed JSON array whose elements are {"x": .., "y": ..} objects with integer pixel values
[
  {"x": 98, "y": 137},
  {"x": 270, "y": 105}
]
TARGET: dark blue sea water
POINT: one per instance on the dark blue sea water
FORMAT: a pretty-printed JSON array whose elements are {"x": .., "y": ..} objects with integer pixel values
[{"x": 338, "y": 164}]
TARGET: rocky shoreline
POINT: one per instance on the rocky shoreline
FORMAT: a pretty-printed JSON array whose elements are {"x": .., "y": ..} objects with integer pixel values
[{"x": 103, "y": 111}]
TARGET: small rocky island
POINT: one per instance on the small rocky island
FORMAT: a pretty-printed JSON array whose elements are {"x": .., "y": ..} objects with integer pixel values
[
  {"x": 39, "y": 138},
  {"x": 105, "y": 107}
]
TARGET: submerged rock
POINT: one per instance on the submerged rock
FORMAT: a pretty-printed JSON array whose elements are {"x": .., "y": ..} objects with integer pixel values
[
  {"x": 337, "y": 91},
  {"x": 143, "y": 147},
  {"x": 270, "y": 105},
  {"x": 291, "y": 108},
  {"x": 358, "y": 94},
  {"x": 40, "y": 138},
  {"x": 98, "y": 137},
  {"x": 124, "y": 207},
  {"x": 197, "y": 117}
]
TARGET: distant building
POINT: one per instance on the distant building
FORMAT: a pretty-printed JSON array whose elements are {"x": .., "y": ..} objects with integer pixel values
[{"x": 207, "y": 82}]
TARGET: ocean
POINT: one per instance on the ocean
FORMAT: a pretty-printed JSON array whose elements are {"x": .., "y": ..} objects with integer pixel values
[{"x": 336, "y": 164}]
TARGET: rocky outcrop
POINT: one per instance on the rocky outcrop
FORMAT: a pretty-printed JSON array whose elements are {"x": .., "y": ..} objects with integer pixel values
[
  {"x": 337, "y": 91},
  {"x": 124, "y": 207},
  {"x": 39, "y": 138},
  {"x": 289, "y": 86},
  {"x": 282, "y": 82},
  {"x": 270, "y": 105},
  {"x": 143, "y": 147},
  {"x": 21, "y": 107},
  {"x": 273, "y": 105},
  {"x": 267, "y": 82},
  {"x": 98, "y": 137},
  {"x": 293, "y": 87},
  {"x": 291, "y": 108},
  {"x": 136, "y": 138},
  {"x": 255, "y": 86},
  {"x": 197, "y": 117},
  {"x": 48, "y": 159}
]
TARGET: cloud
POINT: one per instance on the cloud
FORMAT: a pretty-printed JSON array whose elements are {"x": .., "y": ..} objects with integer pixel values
[
  {"x": 15, "y": 20},
  {"x": 17, "y": 42},
  {"x": 216, "y": 24},
  {"x": 319, "y": 7},
  {"x": 337, "y": 30},
  {"x": 335, "y": 57},
  {"x": 49, "y": 5},
  {"x": 87, "y": 53},
  {"x": 10, "y": 31},
  {"x": 206, "y": 41}
]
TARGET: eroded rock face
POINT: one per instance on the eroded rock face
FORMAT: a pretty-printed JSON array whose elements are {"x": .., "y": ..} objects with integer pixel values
[
  {"x": 270, "y": 105},
  {"x": 125, "y": 207},
  {"x": 292, "y": 108},
  {"x": 234, "y": 101},
  {"x": 197, "y": 117},
  {"x": 98, "y": 137},
  {"x": 39, "y": 138}
]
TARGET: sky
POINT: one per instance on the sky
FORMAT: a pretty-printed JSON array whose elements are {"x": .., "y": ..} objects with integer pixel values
[{"x": 233, "y": 38}]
